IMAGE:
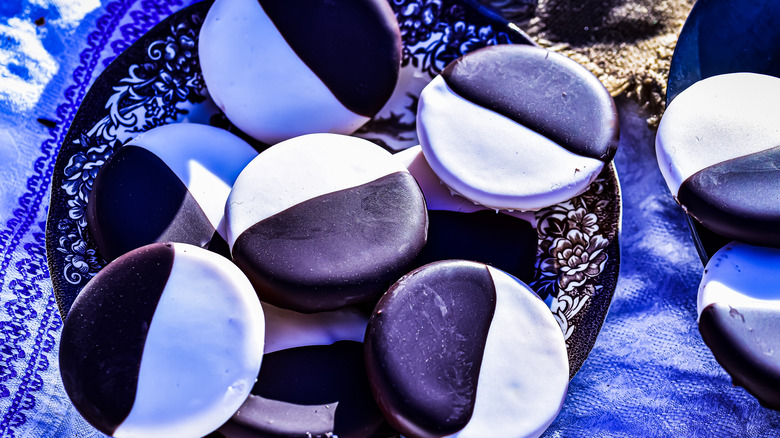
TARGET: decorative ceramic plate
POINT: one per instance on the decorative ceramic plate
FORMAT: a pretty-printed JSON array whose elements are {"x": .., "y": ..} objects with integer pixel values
[
  {"x": 157, "y": 81},
  {"x": 719, "y": 37}
]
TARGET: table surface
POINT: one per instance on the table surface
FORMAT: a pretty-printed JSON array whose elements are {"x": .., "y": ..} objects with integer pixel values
[{"x": 648, "y": 375}]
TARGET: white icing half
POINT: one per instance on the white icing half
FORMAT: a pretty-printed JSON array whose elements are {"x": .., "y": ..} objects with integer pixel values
[
  {"x": 206, "y": 159},
  {"x": 300, "y": 169},
  {"x": 259, "y": 82},
  {"x": 437, "y": 195},
  {"x": 203, "y": 349},
  {"x": 289, "y": 329},
  {"x": 717, "y": 119},
  {"x": 492, "y": 160},
  {"x": 525, "y": 368},
  {"x": 742, "y": 276}
]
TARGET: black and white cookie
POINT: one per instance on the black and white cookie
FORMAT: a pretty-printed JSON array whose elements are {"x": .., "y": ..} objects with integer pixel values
[
  {"x": 315, "y": 391},
  {"x": 458, "y": 348},
  {"x": 718, "y": 148},
  {"x": 167, "y": 184},
  {"x": 165, "y": 341},
  {"x": 459, "y": 229},
  {"x": 517, "y": 127},
  {"x": 322, "y": 221},
  {"x": 279, "y": 69},
  {"x": 739, "y": 316}
]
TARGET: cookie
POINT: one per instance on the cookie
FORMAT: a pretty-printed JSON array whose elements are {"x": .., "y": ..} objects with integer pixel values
[
  {"x": 460, "y": 348},
  {"x": 717, "y": 148},
  {"x": 280, "y": 70},
  {"x": 167, "y": 184},
  {"x": 166, "y": 340},
  {"x": 517, "y": 127},
  {"x": 739, "y": 312},
  {"x": 323, "y": 221}
]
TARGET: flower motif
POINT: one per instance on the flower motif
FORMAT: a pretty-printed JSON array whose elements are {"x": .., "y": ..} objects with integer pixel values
[
  {"x": 170, "y": 86},
  {"x": 177, "y": 50},
  {"x": 80, "y": 257},
  {"x": 576, "y": 257},
  {"x": 82, "y": 168},
  {"x": 580, "y": 219},
  {"x": 416, "y": 20},
  {"x": 78, "y": 211}
]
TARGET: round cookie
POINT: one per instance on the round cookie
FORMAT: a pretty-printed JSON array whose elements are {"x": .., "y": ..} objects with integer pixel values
[
  {"x": 517, "y": 127},
  {"x": 167, "y": 184},
  {"x": 460, "y": 348},
  {"x": 322, "y": 221},
  {"x": 166, "y": 340},
  {"x": 279, "y": 70},
  {"x": 459, "y": 229},
  {"x": 311, "y": 391},
  {"x": 718, "y": 149},
  {"x": 739, "y": 314}
]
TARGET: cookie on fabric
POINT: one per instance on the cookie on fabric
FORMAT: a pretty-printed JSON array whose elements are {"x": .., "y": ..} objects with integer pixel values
[
  {"x": 323, "y": 221},
  {"x": 279, "y": 69},
  {"x": 739, "y": 316},
  {"x": 167, "y": 184},
  {"x": 458, "y": 348},
  {"x": 718, "y": 148},
  {"x": 165, "y": 341},
  {"x": 517, "y": 127}
]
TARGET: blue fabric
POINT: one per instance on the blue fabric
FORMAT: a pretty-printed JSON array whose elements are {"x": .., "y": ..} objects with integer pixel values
[{"x": 649, "y": 373}]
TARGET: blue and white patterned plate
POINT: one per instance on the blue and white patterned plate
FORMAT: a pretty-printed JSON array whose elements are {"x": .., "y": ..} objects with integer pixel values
[{"x": 157, "y": 80}]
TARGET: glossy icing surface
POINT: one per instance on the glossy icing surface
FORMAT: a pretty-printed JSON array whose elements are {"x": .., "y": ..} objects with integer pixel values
[
  {"x": 741, "y": 275},
  {"x": 545, "y": 91},
  {"x": 739, "y": 312},
  {"x": 239, "y": 37},
  {"x": 717, "y": 119},
  {"x": 206, "y": 159},
  {"x": 491, "y": 159},
  {"x": 361, "y": 59},
  {"x": 165, "y": 341},
  {"x": 99, "y": 316},
  {"x": 170, "y": 183},
  {"x": 458, "y": 348},
  {"x": 318, "y": 163},
  {"x": 335, "y": 229},
  {"x": 717, "y": 146}
]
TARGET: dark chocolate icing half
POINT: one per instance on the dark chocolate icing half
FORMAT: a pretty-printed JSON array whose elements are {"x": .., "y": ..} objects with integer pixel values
[
  {"x": 542, "y": 90},
  {"x": 496, "y": 239},
  {"x": 745, "y": 342},
  {"x": 317, "y": 390},
  {"x": 354, "y": 47},
  {"x": 104, "y": 334},
  {"x": 738, "y": 198},
  {"x": 341, "y": 248},
  {"x": 137, "y": 200},
  {"x": 424, "y": 346}
]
